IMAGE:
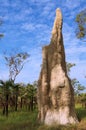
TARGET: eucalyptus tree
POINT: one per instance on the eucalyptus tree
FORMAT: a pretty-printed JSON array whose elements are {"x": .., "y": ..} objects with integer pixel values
[
  {"x": 15, "y": 64},
  {"x": 81, "y": 24}
]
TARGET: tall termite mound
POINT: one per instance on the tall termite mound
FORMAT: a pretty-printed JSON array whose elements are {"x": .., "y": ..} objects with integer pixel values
[{"x": 55, "y": 93}]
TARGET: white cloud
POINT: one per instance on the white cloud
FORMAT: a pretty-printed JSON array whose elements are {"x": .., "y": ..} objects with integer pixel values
[
  {"x": 43, "y": 29},
  {"x": 28, "y": 27},
  {"x": 48, "y": 9},
  {"x": 15, "y": 11},
  {"x": 71, "y": 4},
  {"x": 5, "y": 3},
  {"x": 34, "y": 16},
  {"x": 76, "y": 50},
  {"x": 33, "y": 26},
  {"x": 40, "y": 2}
]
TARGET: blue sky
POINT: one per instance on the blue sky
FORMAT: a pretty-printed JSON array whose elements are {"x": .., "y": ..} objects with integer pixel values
[{"x": 27, "y": 26}]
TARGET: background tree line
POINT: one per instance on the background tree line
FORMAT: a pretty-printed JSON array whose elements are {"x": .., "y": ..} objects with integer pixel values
[{"x": 14, "y": 96}]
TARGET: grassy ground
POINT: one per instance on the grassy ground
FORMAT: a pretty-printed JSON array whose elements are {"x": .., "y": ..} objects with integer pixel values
[{"x": 25, "y": 120}]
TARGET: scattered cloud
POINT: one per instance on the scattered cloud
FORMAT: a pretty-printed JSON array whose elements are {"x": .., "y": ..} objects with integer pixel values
[
  {"x": 28, "y": 25},
  {"x": 71, "y": 4}
]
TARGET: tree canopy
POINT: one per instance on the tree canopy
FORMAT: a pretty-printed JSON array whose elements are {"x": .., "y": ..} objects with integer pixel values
[
  {"x": 16, "y": 63},
  {"x": 81, "y": 24}
]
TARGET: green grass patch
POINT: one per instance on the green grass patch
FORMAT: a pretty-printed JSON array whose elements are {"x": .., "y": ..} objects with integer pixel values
[
  {"x": 19, "y": 121},
  {"x": 81, "y": 112},
  {"x": 25, "y": 120}
]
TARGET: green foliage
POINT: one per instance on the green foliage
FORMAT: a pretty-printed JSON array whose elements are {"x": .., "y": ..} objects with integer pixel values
[
  {"x": 81, "y": 23},
  {"x": 77, "y": 86},
  {"x": 5, "y": 87},
  {"x": 81, "y": 112},
  {"x": 5, "y": 92},
  {"x": 69, "y": 66},
  {"x": 30, "y": 95},
  {"x": 30, "y": 91},
  {"x": 14, "y": 93},
  {"x": 75, "y": 83},
  {"x": 22, "y": 90}
]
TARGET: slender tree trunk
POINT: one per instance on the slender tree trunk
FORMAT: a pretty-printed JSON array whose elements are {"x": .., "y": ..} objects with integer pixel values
[
  {"x": 7, "y": 105},
  {"x": 21, "y": 103},
  {"x": 16, "y": 101},
  {"x": 3, "y": 109},
  {"x": 32, "y": 103},
  {"x": 16, "y": 98}
]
